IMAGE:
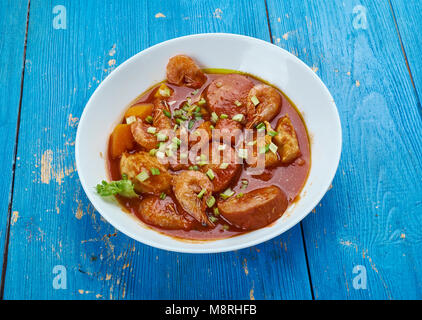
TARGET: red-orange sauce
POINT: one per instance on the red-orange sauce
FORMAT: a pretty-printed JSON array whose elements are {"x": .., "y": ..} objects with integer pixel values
[{"x": 290, "y": 179}]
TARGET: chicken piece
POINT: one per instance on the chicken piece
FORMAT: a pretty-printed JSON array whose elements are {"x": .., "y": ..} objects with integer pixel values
[
  {"x": 133, "y": 164},
  {"x": 163, "y": 213},
  {"x": 228, "y": 94},
  {"x": 192, "y": 189},
  {"x": 224, "y": 168},
  {"x": 182, "y": 70},
  {"x": 264, "y": 103},
  {"x": 255, "y": 209},
  {"x": 286, "y": 140}
]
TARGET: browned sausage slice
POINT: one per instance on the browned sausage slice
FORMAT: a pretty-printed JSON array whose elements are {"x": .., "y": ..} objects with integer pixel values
[
  {"x": 255, "y": 209},
  {"x": 182, "y": 70},
  {"x": 224, "y": 168},
  {"x": 228, "y": 94},
  {"x": 162, "y": 213}
]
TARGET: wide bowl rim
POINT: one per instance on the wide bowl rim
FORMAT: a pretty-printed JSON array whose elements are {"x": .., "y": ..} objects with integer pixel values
[{"x": 197, "y": 249}]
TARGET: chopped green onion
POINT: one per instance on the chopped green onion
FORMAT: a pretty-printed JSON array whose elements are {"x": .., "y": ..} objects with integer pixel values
[
  {"x": 201, "y": 102},
  {"x": 202, "y": 163},
  {"x": 224, "y": 165},
  {"x": 242, "y": 153},
  {"x": 169, "y": 153},
  {"x": 227, "y": 193},
  {"x": 255, "y": 100},
  {"x": 152, "y": 130},
  {"x": 272, "y": 133},
  {"x": 201, "y": 194},
  {"x": 149, "y": 119},
  {"x": 238, "y": 117},
  {"x": 198, "y": 109},
  {"x": 239, "y": 195},
  {"x": 273, "y": 148},
  {"x": 130, "y": 120},
  {"x": 252, "y": 143},
  {"x": 210, "y": 174},
  {"x": 160, "y": 154},
  {"x": 214, "y": 117},
  {"x": 194, "y": 92},
  {"x": 238, "y": 103},
  {"x": 260, "y": 126},
  {"x": 245, "y": 182},
  {"x": 161, "y": 137},
  {"x": 165, "y": 92},
  {"x": 142, "y": 176},
  {"x": 176, "y": 140},
  {"x": 179, "y": 121},
  {"x": 155, "y": 171},
  {"x": 175, "y": 127},
  {"x": 226, "y": 227},
  {"x": 223, "y": 116},
  {"x": 198, "y": 118},
  {"x": 163, "y": 196},
  {"x": 212, "y": 219},
  {"x": 216, "y": 212},
  {"x": 210, "y": 201},
  {"x": 195, "y": 168},
  {"x": 191, "y": 124},
  {"x": 167, "y": 113},
  {"x": 222, "y": 147},
  {"x": 152, "y": 152},
  {"x": 212, "y": 127}
]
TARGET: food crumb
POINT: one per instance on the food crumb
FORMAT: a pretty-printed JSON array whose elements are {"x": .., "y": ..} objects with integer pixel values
[
  {"x": 357, "y": 83},
  {"x": 160, "y": 15}
]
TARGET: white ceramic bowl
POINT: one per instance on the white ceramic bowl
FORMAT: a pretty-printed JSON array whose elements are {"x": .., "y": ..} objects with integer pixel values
[{"x": 107, "y": 105}]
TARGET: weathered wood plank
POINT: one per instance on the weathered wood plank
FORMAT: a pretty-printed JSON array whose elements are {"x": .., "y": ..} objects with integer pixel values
[
  {"x": 12, "y": 30},
  {"x": 408, "y": 15},
  {"x": 372, "y": 215},
  {"x": 58, "y": 226}
]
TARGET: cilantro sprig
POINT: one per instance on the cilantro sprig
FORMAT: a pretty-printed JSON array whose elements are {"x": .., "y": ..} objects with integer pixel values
[{"x": 122, "y": 187}]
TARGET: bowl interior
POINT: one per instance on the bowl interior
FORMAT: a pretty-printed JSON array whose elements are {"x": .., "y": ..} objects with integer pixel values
[{"x": 264, "y": 60}]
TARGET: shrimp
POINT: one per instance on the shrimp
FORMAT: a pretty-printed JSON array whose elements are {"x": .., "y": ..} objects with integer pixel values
[
  {"x": 163, "y": 213},
  {"x": 160, "y": 122},
  {"x": 133, "y": 164},
  {"x": 264, "y": 102},
  {"x": 182, "y": 70},
  {"x": 192, "y": 190},
  {"x": 140, "y": 133}
]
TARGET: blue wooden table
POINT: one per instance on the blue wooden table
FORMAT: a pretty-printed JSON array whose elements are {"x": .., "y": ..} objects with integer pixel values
[{"x": 363, "y": 241}]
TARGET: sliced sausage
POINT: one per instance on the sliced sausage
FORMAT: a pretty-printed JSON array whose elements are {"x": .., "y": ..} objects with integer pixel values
[
  {"x": 224, "y": 167},
  {"x": 255, "y": 209},
  {"x": 228, "y": 94},
  {"x": 162, "y": 213},
  {"x": 229, "y": 129}
]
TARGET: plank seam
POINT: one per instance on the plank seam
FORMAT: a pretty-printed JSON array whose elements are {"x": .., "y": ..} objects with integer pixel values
[
  {"x": 9, "y": 209},
  {"x": 301, "y": 226},
  {"x": 405, "y": 58}
]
